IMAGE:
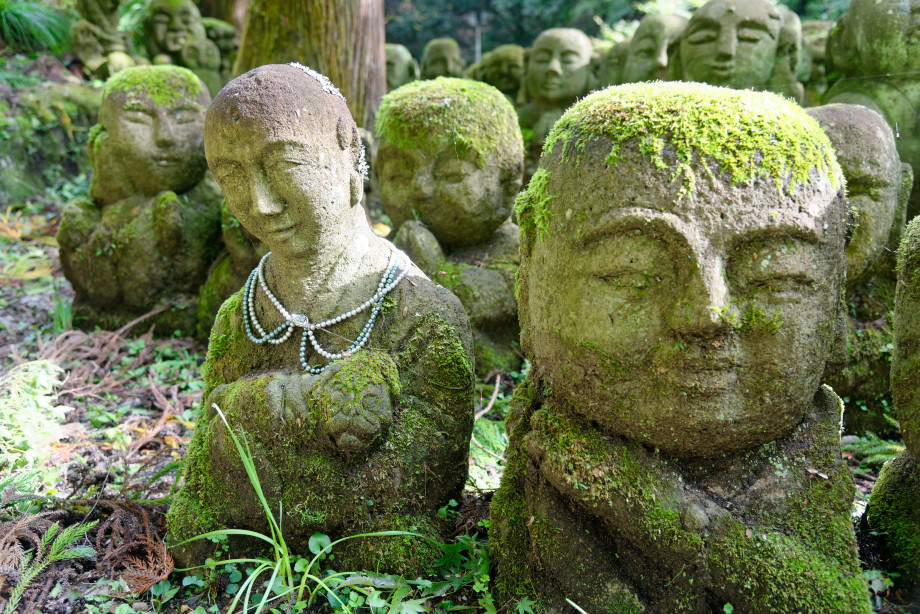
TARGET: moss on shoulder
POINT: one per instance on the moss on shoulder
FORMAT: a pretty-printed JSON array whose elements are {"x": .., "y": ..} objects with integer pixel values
[
  {"x": 469, "y": 115},
  {"x": 749, "y": 135},
  {"x": 163, "y": 85}
]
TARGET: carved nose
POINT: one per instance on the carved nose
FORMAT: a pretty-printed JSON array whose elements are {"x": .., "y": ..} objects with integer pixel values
[
  {"x": 707, "y": 306},
  {"x": 263, "y": 201},
  {"x": 163, "y": 132},
  {"x": 728, "y": 44},
  {"x": 554, "y": 67}
]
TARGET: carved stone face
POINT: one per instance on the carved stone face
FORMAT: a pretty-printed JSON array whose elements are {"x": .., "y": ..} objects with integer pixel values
[
  {"x": 442, "y": 58},
  {"x": 698, "y": 324},
  {"x": 647, "y": 59},
  {"x": 866, "y": 150},
  {"x": 151, "y": 139},
  {"x": 458, "y": 201},
  {"x": 731, "y": 43},
  {"x": 610, "y": 70},
  {"x": 401, "y": 66},
  {"x": 559, "y": 67},
  {"x": 172, "y": 24},
  {"x": 503, "y": 69},
  {"x": 275, "y": 151}
]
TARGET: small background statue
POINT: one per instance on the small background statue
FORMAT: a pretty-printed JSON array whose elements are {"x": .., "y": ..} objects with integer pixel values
[
  {"x": 450, "y": 160},
  {"x": 503, "y": 69},
  {"x": 647, "y": 52},
  {"x": 441, "y": 57},
  {"x": 102, "y": 49},
  {"x": 401, "y": 66},
  {"x": 744, "y": 44},
  {"x": 149, "y": 233}
]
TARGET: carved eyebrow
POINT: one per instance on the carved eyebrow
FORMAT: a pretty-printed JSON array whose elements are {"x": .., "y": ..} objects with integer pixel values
[
  {"x": 632, "y": 218},
  {"x": 703, "y": 23},
  {"x": 136, "y": 105},
  {"x": 773, "y": 234},
  {"x": 755, "y": 25}
]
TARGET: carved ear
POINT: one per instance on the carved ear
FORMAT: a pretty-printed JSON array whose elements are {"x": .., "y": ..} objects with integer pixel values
[
  {"x": 343, "y": 130},
  {"x": 512, "y": 179},
  {"x": 675, "y": 72},
  {"x": 357, "y": 188},
  {"x": 414, "y": 70}
]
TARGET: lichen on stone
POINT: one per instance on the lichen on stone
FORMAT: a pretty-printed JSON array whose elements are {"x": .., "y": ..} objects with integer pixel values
[
  {"x": 471, "y": 116},
  {"x": 747, "y": 135}
]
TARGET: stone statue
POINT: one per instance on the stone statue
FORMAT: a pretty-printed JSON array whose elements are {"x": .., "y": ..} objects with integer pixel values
[
  {"x": 349, "y": 371},
  {"x": 149, "y": 233},
  {"x": 893, "y": 512},
  {"x": 559, "y": 70},
  {"x": 175, "y": 35},
  {"x": 441, "y": 57},
  {"x": 449, "y": 162},
  {"x": 813, "y": 73},
  {"x": 876, "y": 49},
  {"x": 744, "y": 44},
  {"x": 610, "y": 64},
  {"x": 225, "y": 36},
  {"x": 503, "y": 69},
  {"x": 102, "y": 49},
  {"x": 878, "y": 185},
  {"x": 673, "y": 449},
  {"x": 647, "y": 55},
  {"x": 401, "y": 66}
]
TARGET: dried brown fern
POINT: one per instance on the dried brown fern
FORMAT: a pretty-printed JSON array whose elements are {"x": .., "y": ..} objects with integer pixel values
[{"x": 131, "y": 549}]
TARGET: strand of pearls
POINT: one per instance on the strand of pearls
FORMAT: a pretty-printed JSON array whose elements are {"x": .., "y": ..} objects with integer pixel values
[{"x": 397, "y": 268}]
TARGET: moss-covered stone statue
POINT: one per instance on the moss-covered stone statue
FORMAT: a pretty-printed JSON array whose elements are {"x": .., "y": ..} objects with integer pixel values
[
  {"x": 449, "y": 162},
  {"x": 149, "y": 233},
  {"x": 349, "y": 372},
  {"x": 227, "y": 39},
  {"x": 878, "y": 185},
  {"x": 647, "y": 52},
  {"x": 441, "y": 57},
  {"x": 102, "y": 49},
  {"x": 175, "y": 34},
  {"x": 559, "y": 71},
  {"x": 402, "y": 68},
  {"x": 503, "y": 69},
  {"x": 673, "y": 448},
  {"x": 893, "y": 512},
  {"x": 875, "y": 47},
  {"x": 744, "y": 44}
]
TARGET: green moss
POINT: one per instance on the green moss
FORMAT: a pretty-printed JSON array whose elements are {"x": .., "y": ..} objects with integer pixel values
[
  {"x": 161, "y": 85},
  {"x": 778, "y": 575},
  {"x": 748, "y": 135},
  {"x": 893, "y": 514},
  {"x": 908, "y": 267},
  {"x": 532, "y": 207},
  {"x": 472, "y": 117}
]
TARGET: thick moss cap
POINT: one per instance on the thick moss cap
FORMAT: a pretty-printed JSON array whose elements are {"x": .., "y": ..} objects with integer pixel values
[
  {"x": 468, "y": 115},
  {"x": 162, "y": 85},
  {"x": 749, "y": 135}
]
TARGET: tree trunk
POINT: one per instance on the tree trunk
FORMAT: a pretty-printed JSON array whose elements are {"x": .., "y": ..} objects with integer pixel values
[{"x": 343, "y": 39}]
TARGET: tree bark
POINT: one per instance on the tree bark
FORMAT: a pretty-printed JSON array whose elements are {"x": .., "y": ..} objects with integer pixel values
[
  {"x": 231, "y": 11},
  {"x": 343, "y": 39}
]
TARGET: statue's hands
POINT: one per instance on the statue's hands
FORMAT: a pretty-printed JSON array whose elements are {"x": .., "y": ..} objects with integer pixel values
[{"x": 354, "y": 409}]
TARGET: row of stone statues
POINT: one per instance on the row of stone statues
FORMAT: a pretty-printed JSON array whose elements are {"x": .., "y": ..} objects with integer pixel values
[
  {"x": 682, "y": 254},
  {"x": 174, "y": 33}
]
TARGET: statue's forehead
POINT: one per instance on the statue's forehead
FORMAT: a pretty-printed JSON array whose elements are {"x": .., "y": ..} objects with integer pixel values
[
  {"x": 561, "y": 39},
  {"x": 755, "y": 10}
]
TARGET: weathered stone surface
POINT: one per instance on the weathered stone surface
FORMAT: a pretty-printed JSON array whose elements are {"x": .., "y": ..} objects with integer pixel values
[
  {"x": 877, "y": 189},
  {"x": 647, "y": 52},
  {"x": 450, "y": 163},
  {"x": 874, "y": 46},
  {"x": 610, "y": 65},
  {"x": 175, "y": 34},
  {"x": 401, "y": 66},
  {"x": 441, "y": 57},
  {"x": 813, "y": 70},
  {"x": 377, "y": 441},
  {"x": 149, "y": 233},
  {"x": 673, "y": 449},
  {"x": 744, "y": 44}
]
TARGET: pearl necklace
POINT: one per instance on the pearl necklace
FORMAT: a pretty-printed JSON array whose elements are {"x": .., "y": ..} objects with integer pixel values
[{"x": 397, "y": 268}]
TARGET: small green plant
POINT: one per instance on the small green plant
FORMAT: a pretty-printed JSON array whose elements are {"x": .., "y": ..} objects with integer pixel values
[
  {"x": 55, "y": 545},
  {"x": 870, "y": 450},
  {"x": 32, "y": 26},
  {"x": 61, "y": 313},
  {"x": 29, "y": 416}
]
